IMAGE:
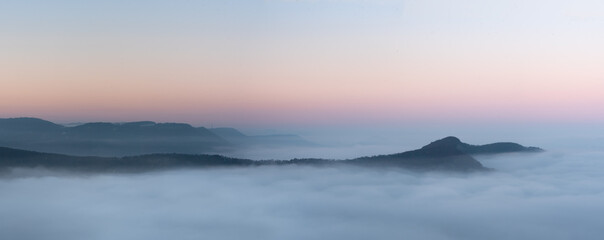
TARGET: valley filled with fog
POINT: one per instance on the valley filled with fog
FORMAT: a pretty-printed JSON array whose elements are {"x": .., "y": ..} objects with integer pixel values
[
  {"x": 550, "y": 195},
  {"x": 302, "y": 120}
]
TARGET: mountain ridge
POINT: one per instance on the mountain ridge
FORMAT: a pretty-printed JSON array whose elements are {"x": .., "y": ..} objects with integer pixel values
[
  {"x": 131, "y": 138},
  {"x": 440, "y": 155}
]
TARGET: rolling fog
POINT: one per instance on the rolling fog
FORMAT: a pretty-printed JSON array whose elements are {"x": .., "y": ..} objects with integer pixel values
[{"x": 558, "y": 194}]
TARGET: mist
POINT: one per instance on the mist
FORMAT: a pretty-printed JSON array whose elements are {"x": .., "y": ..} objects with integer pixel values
[{"x": 552, "y": 195}]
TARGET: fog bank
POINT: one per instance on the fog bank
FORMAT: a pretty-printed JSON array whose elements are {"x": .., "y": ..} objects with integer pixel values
[{"x": 553, "y": 195}]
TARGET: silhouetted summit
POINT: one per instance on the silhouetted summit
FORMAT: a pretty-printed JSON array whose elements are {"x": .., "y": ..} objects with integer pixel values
[
  {"x": 445, "y": 142},
  {"x": 448, "y": 153},
  {"x": 441, "y": 147},
  {"x": 443, "y": 154}
]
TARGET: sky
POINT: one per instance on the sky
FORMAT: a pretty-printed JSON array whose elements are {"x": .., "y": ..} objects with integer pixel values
[{"x": 251, "y": 63}]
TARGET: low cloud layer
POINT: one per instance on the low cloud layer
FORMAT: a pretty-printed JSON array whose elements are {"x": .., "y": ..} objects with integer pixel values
[{"x": 552, "y": 195}]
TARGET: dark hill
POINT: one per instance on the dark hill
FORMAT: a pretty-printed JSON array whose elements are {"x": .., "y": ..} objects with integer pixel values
[
  {"x": 443, "y": 154},
  {"x": 14, "y": 158}
]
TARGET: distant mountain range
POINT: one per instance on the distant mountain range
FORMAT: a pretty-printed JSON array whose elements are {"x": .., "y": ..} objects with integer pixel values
[
  {"x": 444, "y": 154},
  {"x": 130, "y": 138}
]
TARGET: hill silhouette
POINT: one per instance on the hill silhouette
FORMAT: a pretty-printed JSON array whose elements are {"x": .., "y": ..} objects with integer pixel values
[
  {"x": 28, "y": 125},
  {"x": 443, "y": 154},
  {"x": 492, "y": 148},
  {"x": 131, "y": 138},
  {"x": 108, "y": 139}
]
